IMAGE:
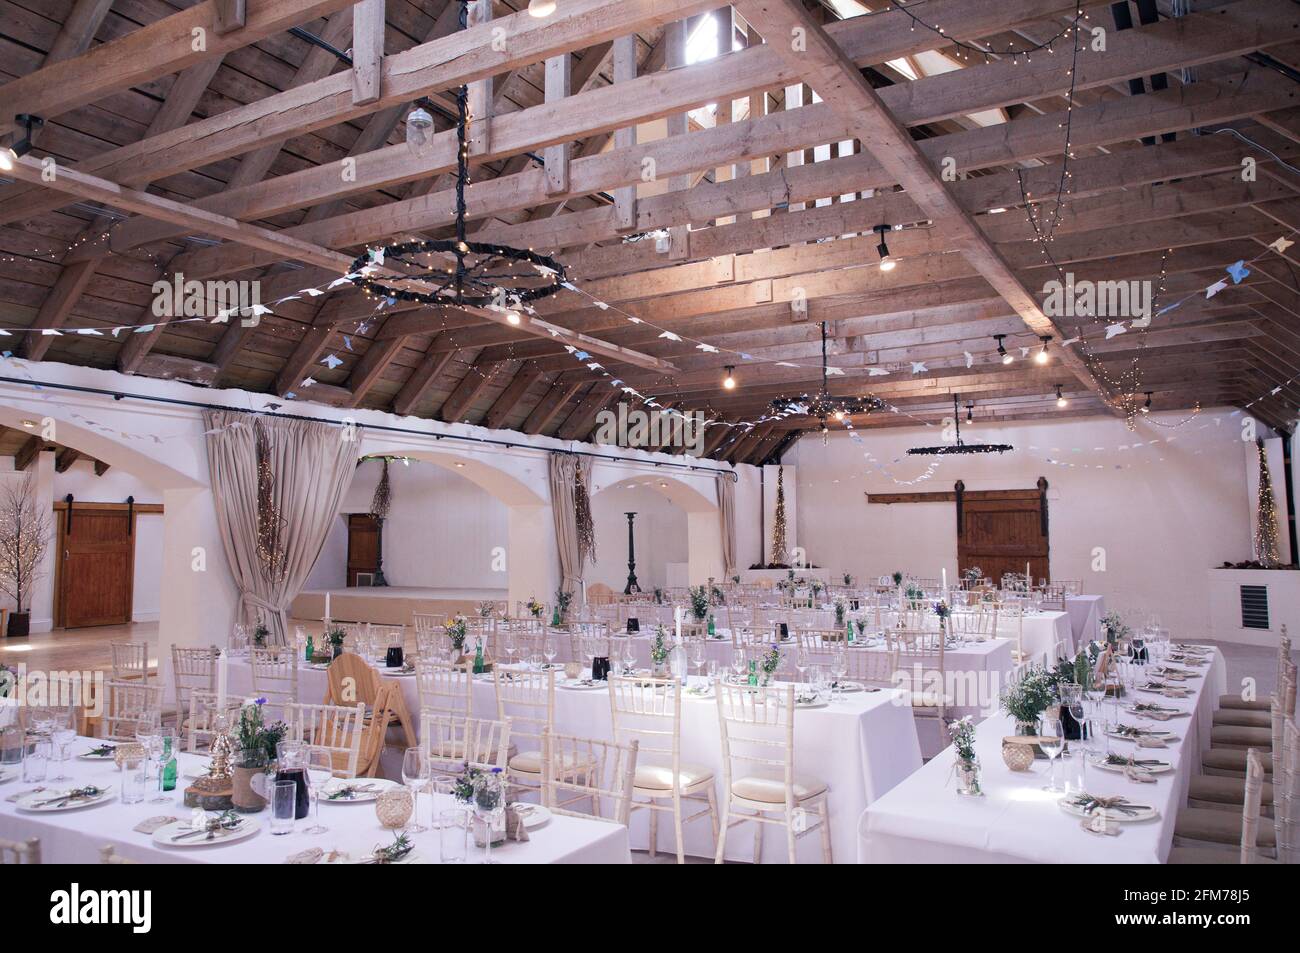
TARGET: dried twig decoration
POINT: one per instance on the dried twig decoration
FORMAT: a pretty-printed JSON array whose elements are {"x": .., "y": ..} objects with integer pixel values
[
  {"x": 383, "y": 498},
  {"x": 270, "y": 526},
  {"x": 582, "y": 515}
]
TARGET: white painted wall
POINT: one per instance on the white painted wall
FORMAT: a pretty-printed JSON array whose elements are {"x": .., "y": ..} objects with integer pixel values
[
  {"x": 749, "y": 516},
  {"x": 1163, "y": 514},
  {"x": 661, "y": 536},
  {"x": 440, "y": 531}
]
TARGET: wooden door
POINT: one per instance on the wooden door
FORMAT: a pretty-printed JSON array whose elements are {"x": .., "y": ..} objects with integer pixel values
[
  {"x": 96, "y": 566},
  {"x": 1002, "y": 530},
  {"x": 363, "y": 545}
]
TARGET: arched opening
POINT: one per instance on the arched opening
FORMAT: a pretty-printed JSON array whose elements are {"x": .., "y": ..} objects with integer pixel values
[{"x": 676, "y": 532}]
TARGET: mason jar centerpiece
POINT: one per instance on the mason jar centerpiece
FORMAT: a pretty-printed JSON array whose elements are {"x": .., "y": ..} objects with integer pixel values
[{"x": 256, "y": 744}]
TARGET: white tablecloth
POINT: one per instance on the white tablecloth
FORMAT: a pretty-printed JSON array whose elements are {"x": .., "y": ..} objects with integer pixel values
[
  {"x": 75, "y": 837},
  {"x": 924, "y": 820},
  {"x": 1085, "y": 614},
  {"x": 861, "y": 746}
]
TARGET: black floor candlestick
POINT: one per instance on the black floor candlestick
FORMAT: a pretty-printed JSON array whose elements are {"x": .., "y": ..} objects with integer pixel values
[
  {"x": 379, "y": 579},
  {"x": 631, "y": 559}
]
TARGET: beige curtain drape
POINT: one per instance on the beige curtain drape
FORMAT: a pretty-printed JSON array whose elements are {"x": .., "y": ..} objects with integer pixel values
[
  {"x": 564, "y": 474},
  {"x": 312, "y": 465},
  {"x": 727, "y": 517}
]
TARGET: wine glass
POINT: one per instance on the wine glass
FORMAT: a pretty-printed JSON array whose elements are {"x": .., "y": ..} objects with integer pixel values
[
  {"x": 629, "y": 656},
  {"x": 698, "y": 657},
  {"x": 161, "y": 747},
  {"x": 62, "y": 737},
  {"x": 801, "y": 662},
  {"x": 548, "y": 650},
  {"x": 415, "y": 775},
  {"x": 1051, "y": 739},
  {"x": 839, "y": 668},
  {"x": 739, "y": 663},
  {"x": 319, "y": 771}
]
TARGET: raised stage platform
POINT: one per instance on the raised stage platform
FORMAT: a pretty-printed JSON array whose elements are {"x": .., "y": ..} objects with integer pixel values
[{"x": 389, "y": 605}]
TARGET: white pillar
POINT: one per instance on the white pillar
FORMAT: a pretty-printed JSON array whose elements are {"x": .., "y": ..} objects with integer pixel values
[
  {"x": 41, "y": 598},
  {"x": 704, "y": 546},
  {"x": 198, "y": 595},
  {"x": 532, "y": 561}
]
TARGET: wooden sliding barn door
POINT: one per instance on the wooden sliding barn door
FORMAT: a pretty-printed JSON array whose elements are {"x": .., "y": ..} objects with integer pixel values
[
  {"x": 1002, "y": 530},
  {"x": 363, "y": 545},
  {"x": 96, "y": 565}
]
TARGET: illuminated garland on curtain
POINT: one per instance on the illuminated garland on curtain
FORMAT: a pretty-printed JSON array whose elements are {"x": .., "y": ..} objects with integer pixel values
[
  {"x": 270, "y": 525},
  {"x": 1266, "y": 515},
  {"x": 779, "y": 554},
  {"x": 582, "y": 513}
]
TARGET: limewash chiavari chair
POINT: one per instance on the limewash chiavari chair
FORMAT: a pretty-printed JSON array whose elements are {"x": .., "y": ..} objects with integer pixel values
[
  {"x": 192, "y": 670},
  {"x": 129, "y": 660},
  {"x": 450, "y": 743},
  {"x": 201, "y": 720},
  {"x": 444, "y": 689},
  {"x": 274, "y": 675},
  {"x": 980, "y": 624},
  {"x": 759, "y": 778},
  {"x": 108, "y": 855},
  {"x": 814, "y": 640},
  {"x": 650, "y": 711},
  {"x": 577, "y": 770},
  {"x": 588, "y": 644},
  {"x": 125, "y": 703},
  {"x": 874, "y": 668},
  {"x": 428, "y": 622},
  {"x": 336, "y": 728},
  {"x": 1011, "y": 616},
  {"x": 383, "y": 637},
  {"x": 1249, "y": 851},
  {"x": 525, "y": 700},
  {"x": 20, "y": 851},
  {"x": 920, "y": 654}
]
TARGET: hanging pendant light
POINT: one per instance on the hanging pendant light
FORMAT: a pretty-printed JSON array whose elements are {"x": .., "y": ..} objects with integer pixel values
[
  {"x": 960, "y": 446},
  {"x": 822, "y": 405},
  {"x": 541, "y": 9}
]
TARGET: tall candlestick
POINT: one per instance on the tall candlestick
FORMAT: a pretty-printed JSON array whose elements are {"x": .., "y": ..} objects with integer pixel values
[
  {"x": 944, "y": 570},
  {"x": 327, "y": 605},
  {"x": 222, "y": 679},
  {"x": 677, "y": 620},
  {"x": 1028, "y": 579}
]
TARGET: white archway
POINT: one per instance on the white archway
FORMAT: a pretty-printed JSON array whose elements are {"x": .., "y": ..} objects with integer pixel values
[{"x": 703, "y": 520}]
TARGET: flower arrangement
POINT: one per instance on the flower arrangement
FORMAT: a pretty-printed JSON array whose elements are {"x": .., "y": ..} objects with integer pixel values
[
  {"x": 456, "y": 629},
  {"x": 818, "y": 587},
  {"x": 487, "y": 609},
  {"x": 717, "y": 596},
  {"x": 973, "y": 574},
  {"x": 563, "y": 600},
  {"x": 941, "y": 610},
  {"x": 840, "y": 609},
  {"x": 898, "y": 578},
  {"x": 659, "y": 596},
  {"x": 770, "y": 662},
  {"x": 736, "y": 579},
  {"x": 914, "y": 594},
  {"x": 1115, "y": 627},
  {"x": 1027, "y": 699},
  {"x": 335, "y": 635},
  {"x": 260, "y": 634},
  {"x": 699, "y": 602},
  {"x": 535, "y": 608},
  {"x": 848, "y": 579},
  {"x": 962, "y": 732},
  {"x": 257, "y": 740},
  {"x": 463, "y": 788},
  {"x": 659, "y": 647}
]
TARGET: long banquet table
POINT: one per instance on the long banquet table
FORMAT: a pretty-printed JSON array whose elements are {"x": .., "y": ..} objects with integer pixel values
[
  {"x": 924, "y": 820},
  {"x": 861, "y": 744},
  {"x": 75, "y": 837}
]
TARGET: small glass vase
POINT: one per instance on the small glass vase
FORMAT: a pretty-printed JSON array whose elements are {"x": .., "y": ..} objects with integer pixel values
[
  {"x": 968, "y": 777},
  {"x": 659, "y": 669}
]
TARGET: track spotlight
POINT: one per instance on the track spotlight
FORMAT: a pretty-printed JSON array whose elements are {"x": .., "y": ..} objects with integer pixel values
[
  {"x": 541, "y": 8},
  {"x": 887, "y": 261},
  {"x": 1003, "y": 353},
  {"x": 729, "y": 382},
  {"x": 1146, "y": 408},
  {"x": 1060, "y": 398},
  {"x": 970, "y": 411},
  {"x": 24, "y": 145},
  {"x": 1041, "y": 356}
]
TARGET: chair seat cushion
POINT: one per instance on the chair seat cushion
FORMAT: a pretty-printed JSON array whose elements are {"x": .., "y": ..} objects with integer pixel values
[
  {"x": 770, "y": 787},
  {"x": 1233, "y": 736},
  {"x": 530, "y": 762},
  {"x": 1244, "y": 718},
  {"x": 1220, "y": 790},
  {"x": 659, "y": 777},
  {"x": 1237, "y": 702},
  {"x": 1219, "y": 827}
]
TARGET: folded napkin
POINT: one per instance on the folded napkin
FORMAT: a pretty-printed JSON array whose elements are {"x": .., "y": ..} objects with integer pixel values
[
  {"x": 1146, "y": 742},
  {"x": 311, "y": 855},
  {"x": 22, "y": 794},
  {"x": 515, "y": 829},
  {"x": 151, "y": 824},
  {"x": 1096, "y": 824},
  {"x": 1140, "y": 775}
]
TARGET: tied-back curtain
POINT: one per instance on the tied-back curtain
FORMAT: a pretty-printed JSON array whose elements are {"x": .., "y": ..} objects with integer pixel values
[
  {"x": 727, "y": 514},
  {"x": 311, "y": 465},
  {"x": 564, "y": 475}
]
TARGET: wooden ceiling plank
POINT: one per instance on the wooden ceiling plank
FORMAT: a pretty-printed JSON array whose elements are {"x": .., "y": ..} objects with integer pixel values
[
  {"x": 561, "y": 393},
  {"x": 509, "y": 398},
  {"x": 421, "y": 379}
]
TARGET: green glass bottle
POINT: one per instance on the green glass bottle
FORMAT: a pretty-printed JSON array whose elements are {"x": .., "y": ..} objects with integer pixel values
[
  {"x": 311, "y": 650},
  {"x": 849, "y": 628},
  {"x": 555, "y": 616},
  {"x": 712, "y": 630},
  {"x": 478, "y": 659},
  {"x": 753, "y": 672},
  {"x": 169, "y": 769}
]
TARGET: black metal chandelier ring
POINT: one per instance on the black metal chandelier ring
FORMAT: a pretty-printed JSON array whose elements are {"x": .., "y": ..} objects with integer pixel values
[{"x": 454, "y": 282}]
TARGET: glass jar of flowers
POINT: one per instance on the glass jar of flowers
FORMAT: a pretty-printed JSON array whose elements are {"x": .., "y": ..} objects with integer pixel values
[
  {"x": 335, "y": 637},
  {"x": 1027, "y": 699},
  {"x": 254, "y": 756},
  {"x": 768, "y": 664},
  {"x": 967, "y": 764},
  {"x": 456, "y": 629},
  {"x": 535, "y": 608},
  {"x": 699, "y": 602},
  {"x": 659, "y": 651}
]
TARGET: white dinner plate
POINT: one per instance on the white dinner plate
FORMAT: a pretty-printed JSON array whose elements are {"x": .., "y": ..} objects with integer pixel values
[
  {"x": 850, "y": 687},
  {"x": 34, "y": 803},
  {"x": 581, "y": 686},
  {"x": 165, "y": 835},
  {"x": 1144, "y": 813},
  {"x": 343, "y": 857},
  {"x": 396, "y": 672},
  {"x": 374, "y": 787},
  {"x": 1165, "y": 736},
  {"x": 533, "y": 815},
  {"x": 1164, "y": 712},
  {"x": 811, "y": 704},
  {"x": 1164, "y": 767}
]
